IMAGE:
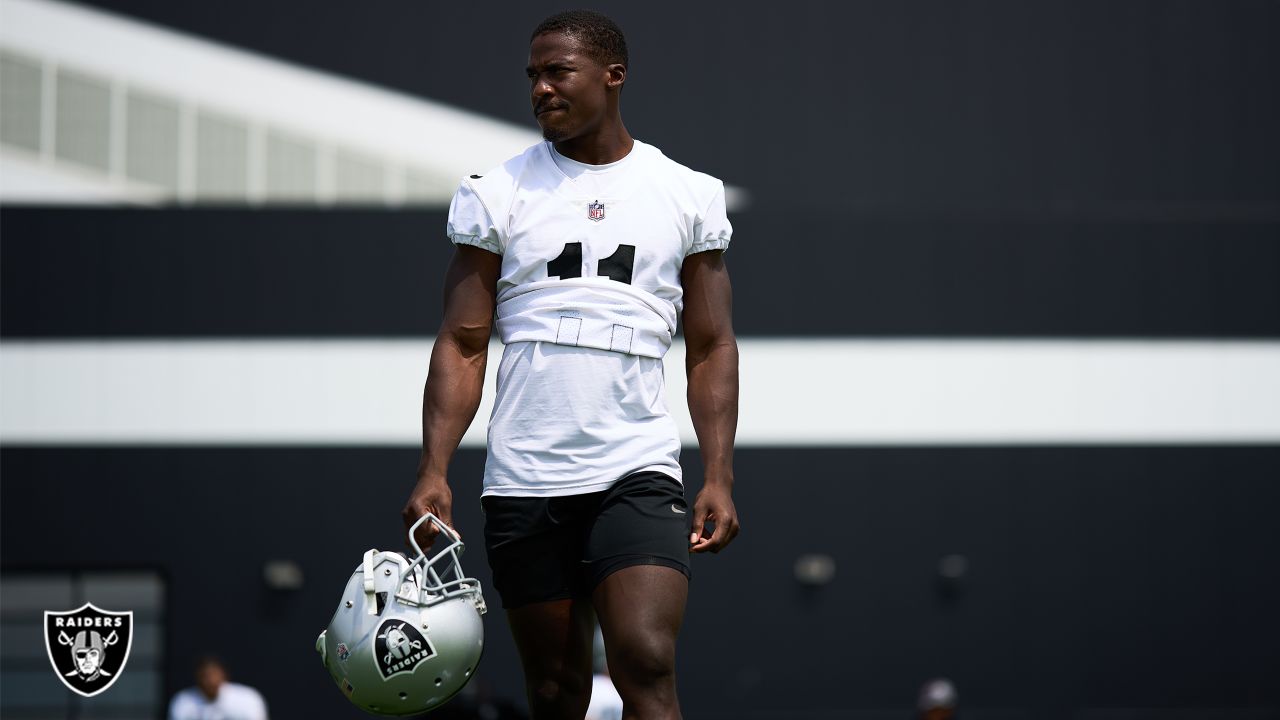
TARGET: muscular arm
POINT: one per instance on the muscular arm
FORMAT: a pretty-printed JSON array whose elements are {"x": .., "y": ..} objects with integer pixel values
[
  {"x": 711, "y": 362},
  {"x": 454, "y": 380}
]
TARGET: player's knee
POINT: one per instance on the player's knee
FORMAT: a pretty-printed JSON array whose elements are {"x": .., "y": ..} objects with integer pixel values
[
  {"x": 648, "y": 664},
  {"x": 562, "y": 691},
  {"x": 649, "y": 686}
]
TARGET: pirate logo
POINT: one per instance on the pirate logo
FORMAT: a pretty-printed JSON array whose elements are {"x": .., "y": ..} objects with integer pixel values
[
  {"x": 399, "y": 647},
  {"x": 88, "y": 647},
  {"x": 595, "y": 211}
]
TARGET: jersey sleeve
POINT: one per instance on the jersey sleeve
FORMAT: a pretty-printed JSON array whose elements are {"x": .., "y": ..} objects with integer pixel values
[
  {"x": 470, "y": 222},
  {"x": 711, "y": 228}
]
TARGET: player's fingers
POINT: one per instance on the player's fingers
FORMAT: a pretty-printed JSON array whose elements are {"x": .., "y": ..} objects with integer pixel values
[
  {"x": 705, "y": 538},
  {"x": 726, "y": 520},
  {"x": 730, "y": 531},
  {"x": 425, "y": 535},
  {"x": 444, "y": 511},
  {"x": 406, "y": 515},
  {"x": 449, "y": 524},
  {"x": 717, "y": 539},
  {"x": 447, "y": 519},
  {"x": 699, "y": 521},
  {"x": 705, "y": 544}
]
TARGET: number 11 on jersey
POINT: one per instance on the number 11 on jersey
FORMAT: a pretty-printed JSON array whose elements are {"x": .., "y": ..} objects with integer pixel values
[{"x": 617, "y": 266}]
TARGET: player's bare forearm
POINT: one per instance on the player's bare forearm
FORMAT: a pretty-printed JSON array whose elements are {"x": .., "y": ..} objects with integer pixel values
[
  {"x": 713, "y": 405},
  {"x": 456, "y": 375},
  {"x": 450, "y": 400},
  {"x": 455, "y": 380},
  {"x": 711, "y": 363}
]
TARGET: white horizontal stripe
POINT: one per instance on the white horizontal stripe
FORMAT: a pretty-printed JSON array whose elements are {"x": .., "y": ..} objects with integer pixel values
[
  {"x": 794, "y": 392},
  {"x": 25, "y": 180}
]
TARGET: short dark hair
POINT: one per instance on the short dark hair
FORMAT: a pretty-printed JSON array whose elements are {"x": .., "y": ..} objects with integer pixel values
[{"x": 601, "y": 36}]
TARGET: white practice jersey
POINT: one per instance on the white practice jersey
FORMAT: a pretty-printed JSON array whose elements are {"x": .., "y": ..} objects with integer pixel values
[
  {"x": 587, "y": 304},
  {"x": 234, "y": 702}
]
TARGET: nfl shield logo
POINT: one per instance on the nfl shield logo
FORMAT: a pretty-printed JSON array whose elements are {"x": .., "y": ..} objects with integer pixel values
[
  {"x": 595, "y": 211},
  {"x": 88, "y": 647}
]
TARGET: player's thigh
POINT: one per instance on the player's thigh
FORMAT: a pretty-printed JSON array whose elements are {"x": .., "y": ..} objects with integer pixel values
[
  {"x": 641, "y": 609},
  {"x": 642, "y": 520},
  {"x": 535, "y": 548},
  {"x": 554, "y": 641},
  {"x": 638, "y": 556}
]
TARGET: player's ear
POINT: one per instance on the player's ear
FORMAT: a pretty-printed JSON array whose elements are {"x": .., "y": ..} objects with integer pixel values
[{"x": 617, "y": 75}]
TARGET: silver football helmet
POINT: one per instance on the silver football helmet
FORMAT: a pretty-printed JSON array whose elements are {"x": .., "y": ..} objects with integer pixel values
[{"x": 407, "y": 635}]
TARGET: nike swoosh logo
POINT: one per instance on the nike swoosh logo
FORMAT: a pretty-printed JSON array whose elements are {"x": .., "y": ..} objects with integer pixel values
[{"x": 675, "y": 509}]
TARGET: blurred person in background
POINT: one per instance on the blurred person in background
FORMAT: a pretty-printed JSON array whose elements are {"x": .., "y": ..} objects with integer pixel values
[
  {"x": 606, "y": 703},
  {"x": 216, "y": 698},
  {"x": 589, "y": 248},
  {"x": 938, "y": 700}
]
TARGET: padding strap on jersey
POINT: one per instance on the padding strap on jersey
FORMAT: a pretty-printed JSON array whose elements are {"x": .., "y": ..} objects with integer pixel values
[{"x": 582, "y": 312}]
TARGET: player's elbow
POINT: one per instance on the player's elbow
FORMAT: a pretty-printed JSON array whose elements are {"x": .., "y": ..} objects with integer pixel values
[
  {"x": 470, "y": 338},
  {"x": 721, "y": 347}
]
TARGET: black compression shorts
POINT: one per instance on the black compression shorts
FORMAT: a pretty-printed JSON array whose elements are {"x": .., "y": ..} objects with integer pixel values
[{"x": 554, "y": 548}]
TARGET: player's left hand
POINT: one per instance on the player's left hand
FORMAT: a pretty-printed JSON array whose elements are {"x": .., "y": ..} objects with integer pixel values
[{"x": 714, "y": 505}]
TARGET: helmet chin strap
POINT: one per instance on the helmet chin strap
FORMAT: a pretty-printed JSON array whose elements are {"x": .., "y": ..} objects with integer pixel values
[
  {"x": 369, "y": 601},
  {"x": 370, "y": 588}
]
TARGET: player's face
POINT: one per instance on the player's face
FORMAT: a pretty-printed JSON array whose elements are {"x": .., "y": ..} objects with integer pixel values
[
  {"x": 209, "y": 678},
  {"x": 568, "y": 88}
]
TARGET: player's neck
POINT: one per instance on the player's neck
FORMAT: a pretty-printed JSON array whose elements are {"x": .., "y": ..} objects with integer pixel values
[{"x": 600, "y": 148}]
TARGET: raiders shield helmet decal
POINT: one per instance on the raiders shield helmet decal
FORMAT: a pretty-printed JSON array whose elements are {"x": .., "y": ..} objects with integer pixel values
[
  {"x": 88, "y": 646},
  {"x": 399, "y": 647}
]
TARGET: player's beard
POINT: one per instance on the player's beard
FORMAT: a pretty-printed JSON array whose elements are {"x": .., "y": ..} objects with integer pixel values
[{"x": 555, "y": 134}]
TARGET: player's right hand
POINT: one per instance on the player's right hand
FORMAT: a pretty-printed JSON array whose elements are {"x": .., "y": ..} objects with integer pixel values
[{"x": 430, "y": 495}]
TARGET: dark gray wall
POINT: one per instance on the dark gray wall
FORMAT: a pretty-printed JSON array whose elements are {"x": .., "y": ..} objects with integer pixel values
[
  {"x": 1099, "y": 577},
  {"x": 112, "y": 273},
  {"x": 1144, "y": 109}
]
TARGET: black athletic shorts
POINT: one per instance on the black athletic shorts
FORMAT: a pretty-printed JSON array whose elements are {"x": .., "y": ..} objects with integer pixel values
[{"x": 552, "y": 548}]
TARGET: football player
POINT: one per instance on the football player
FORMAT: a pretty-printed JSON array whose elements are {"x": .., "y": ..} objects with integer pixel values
[{"x": 587, "y": 247}]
